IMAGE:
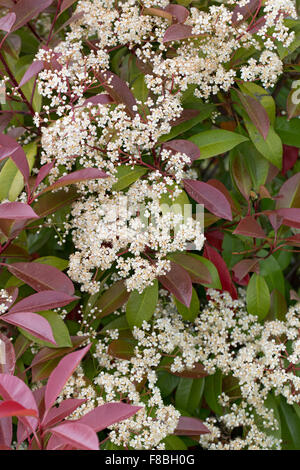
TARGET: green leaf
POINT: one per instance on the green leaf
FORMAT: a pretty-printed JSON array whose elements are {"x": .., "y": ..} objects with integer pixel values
[
  {"x": 139, "y": 88},
  {"x": 290, "y": 426},
  {"x": 174, "y": 443},
  {"x": 256, "y": 165},
  {"x": 258, "y": 297},
  {"x": 196, "y": 267},
  {"x": 271, "y": 148},
  {"x": 289, "y": 131},
  {"x": 189, "y": 393},
  {"x": 166, "y": 382},
  {"x": 112, "y": 299},
  {"x": 265, "y": 99},
  {"x": 29, "y": 87},
  {"x": 204, "y": 113},
  {"x": 216, "y": 141},
  {"x": 140, "y": 307},
  {"x": 239, "y": 173},
  {"x": 126, "y": 176},
  {"x": 285, "y": 51},
  {"x": 278, "y": 307},
  {"x": 230, "y": 244},
  {"x": 191, "y": 312},
  {"x": 60, "y": 331},
  {"x": 11, "y": 179},
  {"x": 215, "y": 282},
  {"x": 212, "y": 390},
  {"x": 271, "y": 404},
  {"x": 271, "y": 271},
  {"x": 119, "y": 323},
  {"x": 58, "y": 263}
]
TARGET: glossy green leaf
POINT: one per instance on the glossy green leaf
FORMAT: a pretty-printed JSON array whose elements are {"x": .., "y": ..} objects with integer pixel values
[
  {"x": 141, "y": 306},
  {"x": 127, "y": 175},
  {"x": 11, "y": 179},
  {"x": 189, "y": 393},
  {"x": 191, "y": 312},
  {"x": 258, "y": 297},
  {"x": 271, "y": 148},
  {"x": 289, "y": 131},
  {"x": 216, "y": 142},
  {"x": 212, "y": 390}
]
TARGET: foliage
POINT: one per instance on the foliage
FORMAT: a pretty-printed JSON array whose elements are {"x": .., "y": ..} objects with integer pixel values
[{"x": 129, "y": 318}]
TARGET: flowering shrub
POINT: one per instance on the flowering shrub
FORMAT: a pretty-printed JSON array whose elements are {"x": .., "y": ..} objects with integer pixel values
[{"x": 149, "y": 224}]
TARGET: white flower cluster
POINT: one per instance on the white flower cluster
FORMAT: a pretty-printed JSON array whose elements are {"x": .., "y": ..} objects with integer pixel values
[
  {"x": 125, "y": 128},
  {"x": 5, "y": 300},
  {"x": 132, "y": 231},
  {"x": 259, "y": 360}
]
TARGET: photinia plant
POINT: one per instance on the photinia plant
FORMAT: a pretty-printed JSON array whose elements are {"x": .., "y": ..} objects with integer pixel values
[
  {"x": 150, "y": 214},
  {"x": 44, "y": 424}
]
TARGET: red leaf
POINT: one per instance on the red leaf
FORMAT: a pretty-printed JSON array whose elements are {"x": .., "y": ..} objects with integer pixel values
[
  {"x": 190, "y": 427},
  {"x": 245, "y": 266},
  {"x": 245, "y": 11},
  {"x": 66, "y": 4},
  {"x": 291, "y": 216},
  {"x": 119, "y": 91},
  {"x": 221, "y": 187},
  {"x": 76, "y": 177},
  {"x": 10, "y": 148},
  {"x": 179, "y": 12},
  {"x": 183, "y": 146},
  {"x": 249, "y": 227},
  {"x": 227, "y": 284},
  {"x": 25, "y": 10},
  {"x": 121, "y": 349},
  {"x": 276, "y": 221},
  {"x": 5, "y": 432},
  {"x": 13, "y": 388},
  {"x": 106, "y": 415},
  {"x": 7, "y": 21},
  {"x": 61, "y": 374},
  {"x": 255, "y": 27},
  {"x": 79, "y": 436},
  {"x": 197, "y": 372},
  {"x": 16, "y": 211},
  {"x": 36, "y": 67},
  {"x": 290, "y": 156},
  {"x": 5, "y": 120},
  {"x": 186, "y": 115},
  {"x": 44, "y": 171},
  {"x": 99, "y": 99},
  {"x": 198, "y": 272},
  {"x": 178, "y": 282},
  {"x": 55, "y": 443},
  {"x": 289, "y": 194},
  {"x": 177, "y": 32},
  {"x": 13, "y": 408},
  {"x": 65, "y": 408},
  {"x": 212, "y": 198},
  {"x": 215, "y": 238},
  {"x": 257, "y": 113},
  {"x": 42, "y": 277},
  {"x": 52, "y": 202},
  {"x": 8, "y": 362},
  {"x": 35, "y": 324},
  {"x": 44, "y": 300}
]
